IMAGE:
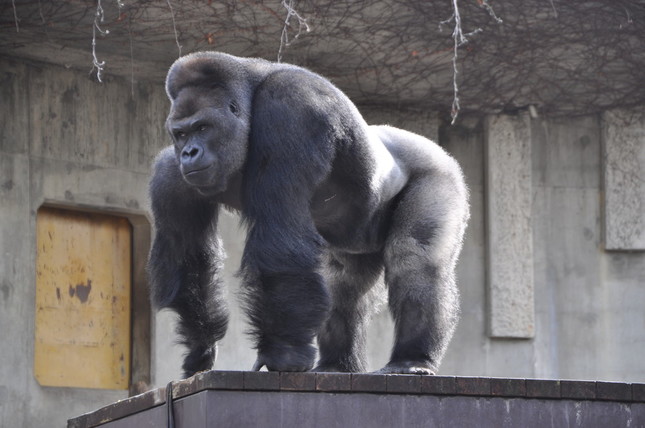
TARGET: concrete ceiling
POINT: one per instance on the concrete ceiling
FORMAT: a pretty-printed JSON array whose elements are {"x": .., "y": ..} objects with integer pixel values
[{"x": 561, "y": 56}]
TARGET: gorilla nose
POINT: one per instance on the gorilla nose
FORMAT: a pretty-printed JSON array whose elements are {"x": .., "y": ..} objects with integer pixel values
[{"x": 190, "y": 154}]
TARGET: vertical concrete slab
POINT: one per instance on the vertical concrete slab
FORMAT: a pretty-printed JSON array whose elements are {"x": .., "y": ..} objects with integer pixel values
[
  {"x": 569, "y": 292},
  {"x": 624, "y": 179},
  {"x": 566, "y": 152},
  {"x": 14, "y": 109},
  {"x": 511, "y": 311},
  {"x": 15, "y": 289}
]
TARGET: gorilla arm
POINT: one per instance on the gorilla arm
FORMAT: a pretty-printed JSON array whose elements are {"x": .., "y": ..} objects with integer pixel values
[{"x": 185, "y": 261}]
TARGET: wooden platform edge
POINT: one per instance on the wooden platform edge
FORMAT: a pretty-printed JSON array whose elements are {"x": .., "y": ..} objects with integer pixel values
[{"x": 367, "y": 383}]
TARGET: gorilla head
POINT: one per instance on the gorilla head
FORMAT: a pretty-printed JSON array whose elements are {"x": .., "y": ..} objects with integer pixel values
[{"x": 208, "y": 120}]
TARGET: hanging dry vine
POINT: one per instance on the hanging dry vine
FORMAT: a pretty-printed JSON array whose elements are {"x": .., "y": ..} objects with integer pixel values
[
  {"x": 284, "y": 36},
  {"x": 561, "y": 57}
]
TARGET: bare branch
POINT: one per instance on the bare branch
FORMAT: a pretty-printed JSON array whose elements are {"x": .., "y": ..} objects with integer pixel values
[
  {"x": 96, "y": 64},
  {"x": 15, "y": 15},
  {"x": 459, "y": 39},
  {"x": 491, "y": 12},
  {"x": 302, "y": 24},
  {"x": 174, "y": 26},
  {"x": 555, "y": 12}
]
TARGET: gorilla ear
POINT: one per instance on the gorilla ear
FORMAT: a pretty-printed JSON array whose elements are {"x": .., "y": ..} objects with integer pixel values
[{"x": 235, "y": 109}]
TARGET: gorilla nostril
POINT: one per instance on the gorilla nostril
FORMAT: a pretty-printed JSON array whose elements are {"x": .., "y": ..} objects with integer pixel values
[{"x": 190, "y": 153}]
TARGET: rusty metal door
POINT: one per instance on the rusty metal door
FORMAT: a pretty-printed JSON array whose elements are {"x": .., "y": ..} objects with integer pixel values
[{"x": 83, "y": 286}]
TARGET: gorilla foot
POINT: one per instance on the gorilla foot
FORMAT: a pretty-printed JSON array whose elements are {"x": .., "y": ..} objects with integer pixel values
[
  {"x": 325, "y": 368},
  {"x": 407, "y": 367},
  {"x": 199, "y": 360}
]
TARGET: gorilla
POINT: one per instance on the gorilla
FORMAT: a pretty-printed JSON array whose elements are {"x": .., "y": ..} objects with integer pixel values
[{"x": 329, "y": 203}]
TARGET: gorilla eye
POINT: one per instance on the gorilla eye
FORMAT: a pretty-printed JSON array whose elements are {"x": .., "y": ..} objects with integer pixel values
[
  {"x": 180, "y": 134},
  {"x": 234, "y": 109},
  {"x": 202, "y": 128}
]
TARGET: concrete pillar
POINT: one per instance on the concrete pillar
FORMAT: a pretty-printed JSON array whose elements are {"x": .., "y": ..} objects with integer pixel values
[
  {"x": 624, "y": 179},
  {"x": 511, "y": 312}
]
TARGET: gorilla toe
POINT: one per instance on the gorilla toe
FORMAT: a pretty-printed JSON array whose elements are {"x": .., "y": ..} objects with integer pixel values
[{"x": 408, "y": 367}]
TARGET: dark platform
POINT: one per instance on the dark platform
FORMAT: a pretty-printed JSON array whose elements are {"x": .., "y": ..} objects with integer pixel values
[{"x": 271, "y": 399}]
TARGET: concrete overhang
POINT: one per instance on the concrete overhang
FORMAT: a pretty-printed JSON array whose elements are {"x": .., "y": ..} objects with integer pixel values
[{"x": 561, "y": 57}]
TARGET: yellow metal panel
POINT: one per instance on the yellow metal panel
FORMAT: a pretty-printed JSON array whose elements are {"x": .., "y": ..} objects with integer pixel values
[{"x": 83, "y": 275}]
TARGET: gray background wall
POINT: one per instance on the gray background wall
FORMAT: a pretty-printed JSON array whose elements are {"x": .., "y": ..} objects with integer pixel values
[
  {"x": 68, "y": 140},
  {"x": 65, "y": 140}
]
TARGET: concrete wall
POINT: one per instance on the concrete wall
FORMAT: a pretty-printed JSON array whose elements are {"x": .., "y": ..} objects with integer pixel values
[
  {"x": 70, "y": 141},
  {"x": 590, "y": 322}
]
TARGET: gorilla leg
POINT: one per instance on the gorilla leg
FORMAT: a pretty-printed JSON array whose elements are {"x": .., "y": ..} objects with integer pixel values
[
  {"x": 285, "y": 313},
  {"x": 184, "y": 263},
  {"x": 341, "y": 342},
  {"x": 420, "y": 256},
  {"x": 285, "y": 296}
]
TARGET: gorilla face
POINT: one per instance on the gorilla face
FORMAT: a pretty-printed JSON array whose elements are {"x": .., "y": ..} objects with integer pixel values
[{"x": 210, "y": 136}]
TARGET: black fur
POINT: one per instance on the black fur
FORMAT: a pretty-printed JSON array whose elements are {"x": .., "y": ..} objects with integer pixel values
[{"x": 328, "y": 202}]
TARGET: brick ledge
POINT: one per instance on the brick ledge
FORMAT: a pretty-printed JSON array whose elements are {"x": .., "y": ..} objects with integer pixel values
[{"x": 368, "y": 383}]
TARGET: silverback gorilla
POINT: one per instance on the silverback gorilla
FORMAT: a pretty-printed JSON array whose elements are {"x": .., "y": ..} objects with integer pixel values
[{"x": 329, "y": 203}]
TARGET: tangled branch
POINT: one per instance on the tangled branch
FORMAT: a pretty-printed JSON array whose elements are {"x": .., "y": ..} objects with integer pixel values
[
  {"x": 302, "y": 24},
  {"x": 99, "y": 16},
  {"x": 561, "y": 57}
]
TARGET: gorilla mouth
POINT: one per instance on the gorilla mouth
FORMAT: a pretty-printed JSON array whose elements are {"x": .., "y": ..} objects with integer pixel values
[
  {"x": 196, "y": 171},
  {"x": 199, "y": 176}
]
